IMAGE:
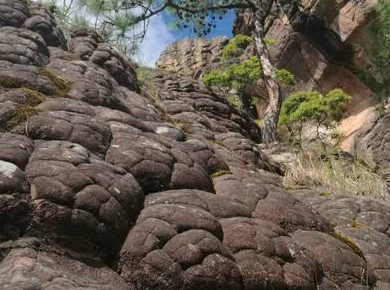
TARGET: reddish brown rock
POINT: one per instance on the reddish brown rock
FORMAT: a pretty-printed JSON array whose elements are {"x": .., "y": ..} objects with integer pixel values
[{"x": 103, "y": 186}]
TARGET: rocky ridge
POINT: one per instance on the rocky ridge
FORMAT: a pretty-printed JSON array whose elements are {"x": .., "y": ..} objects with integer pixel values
[{"x": 104, "y": 185}]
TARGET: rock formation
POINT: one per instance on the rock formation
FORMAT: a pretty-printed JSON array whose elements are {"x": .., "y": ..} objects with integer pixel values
[
  {"x": 104, "y": 185},
  {"x": 192, "y": 57},
  {"x": 372, "y": 144},
  {"x": 315, "y": 44}
]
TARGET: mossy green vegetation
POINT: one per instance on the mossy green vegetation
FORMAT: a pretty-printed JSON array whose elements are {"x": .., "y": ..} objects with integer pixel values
[
  {"x": 219, "y": 142},
  {"x": 356, "y": 224},
  {"x": 236, "y": 76},
  {"x": 239, "y": 43},
  {"x": 235, "y": 81},
  {"x": 145, "y": 80},
  {"x": 235, "y": 46},
  {"x": 270, "y": 41},
  {"x": 144, "y": 76},
  {"x": 285, "y": 78},
  {"x": 259, "y": 122},
  {"x": 27, "y": 109}
]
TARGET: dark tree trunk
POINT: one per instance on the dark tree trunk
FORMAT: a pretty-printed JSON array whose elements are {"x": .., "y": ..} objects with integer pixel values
[{"x": 271, "y": 115}]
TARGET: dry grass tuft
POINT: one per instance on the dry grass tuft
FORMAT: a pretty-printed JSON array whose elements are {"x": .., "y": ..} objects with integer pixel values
[
  {"x": 334, "y": 175},
  {"x": 63, "y": 86}
]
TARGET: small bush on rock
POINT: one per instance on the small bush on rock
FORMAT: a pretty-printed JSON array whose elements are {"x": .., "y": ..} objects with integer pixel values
[
  {"x": 312, "y": 106},
  {"x": 285, "y": 78},
  {"x": 235, "y": 46}
]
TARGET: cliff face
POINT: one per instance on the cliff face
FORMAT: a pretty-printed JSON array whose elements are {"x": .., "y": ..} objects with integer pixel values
[
  {"x": 104, "y": 185},
  {"x": 192, "y": 57}
]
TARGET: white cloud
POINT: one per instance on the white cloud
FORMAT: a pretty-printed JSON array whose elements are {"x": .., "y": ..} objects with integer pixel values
[{"x": 157, "y": 37}]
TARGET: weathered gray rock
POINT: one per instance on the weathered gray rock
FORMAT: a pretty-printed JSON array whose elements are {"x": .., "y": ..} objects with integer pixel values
[
  {"x": 372, "y": 145},
  {"x": 25, "y": 268},
  {"x": 13, "y": 13},
  {"x": 44, "y": 24}
]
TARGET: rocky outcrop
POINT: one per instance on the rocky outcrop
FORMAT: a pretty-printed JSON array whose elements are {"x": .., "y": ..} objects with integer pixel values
[
  {"x": 191, "y": 57},
  {"x": 360, "y": 222},
  {"x": 372, "y": 144},
  {"x": 104, "y": 185}
]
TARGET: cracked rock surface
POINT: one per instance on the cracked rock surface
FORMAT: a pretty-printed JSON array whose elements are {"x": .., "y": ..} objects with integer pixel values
[{"x": 104, "y": 185}]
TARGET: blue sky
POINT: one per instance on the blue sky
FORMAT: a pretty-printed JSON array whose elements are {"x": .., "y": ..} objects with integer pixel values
[{"x": 159, "y": 35}]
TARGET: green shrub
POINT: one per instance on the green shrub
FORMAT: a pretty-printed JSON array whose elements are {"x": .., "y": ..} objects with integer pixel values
[
  {"x": 244, "y": 74},
  {"x": 237, "y": 77},
  {"x": 270, "y": 41},
  {"x": 239, "y": 43},
  {"x": 303, "y": 107},
  {"x": 236, "y": 45},
  {"x": 240, "y": 78},
  {"x": 285, "y": 78},
  {"x": 216, "y": 78}
]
